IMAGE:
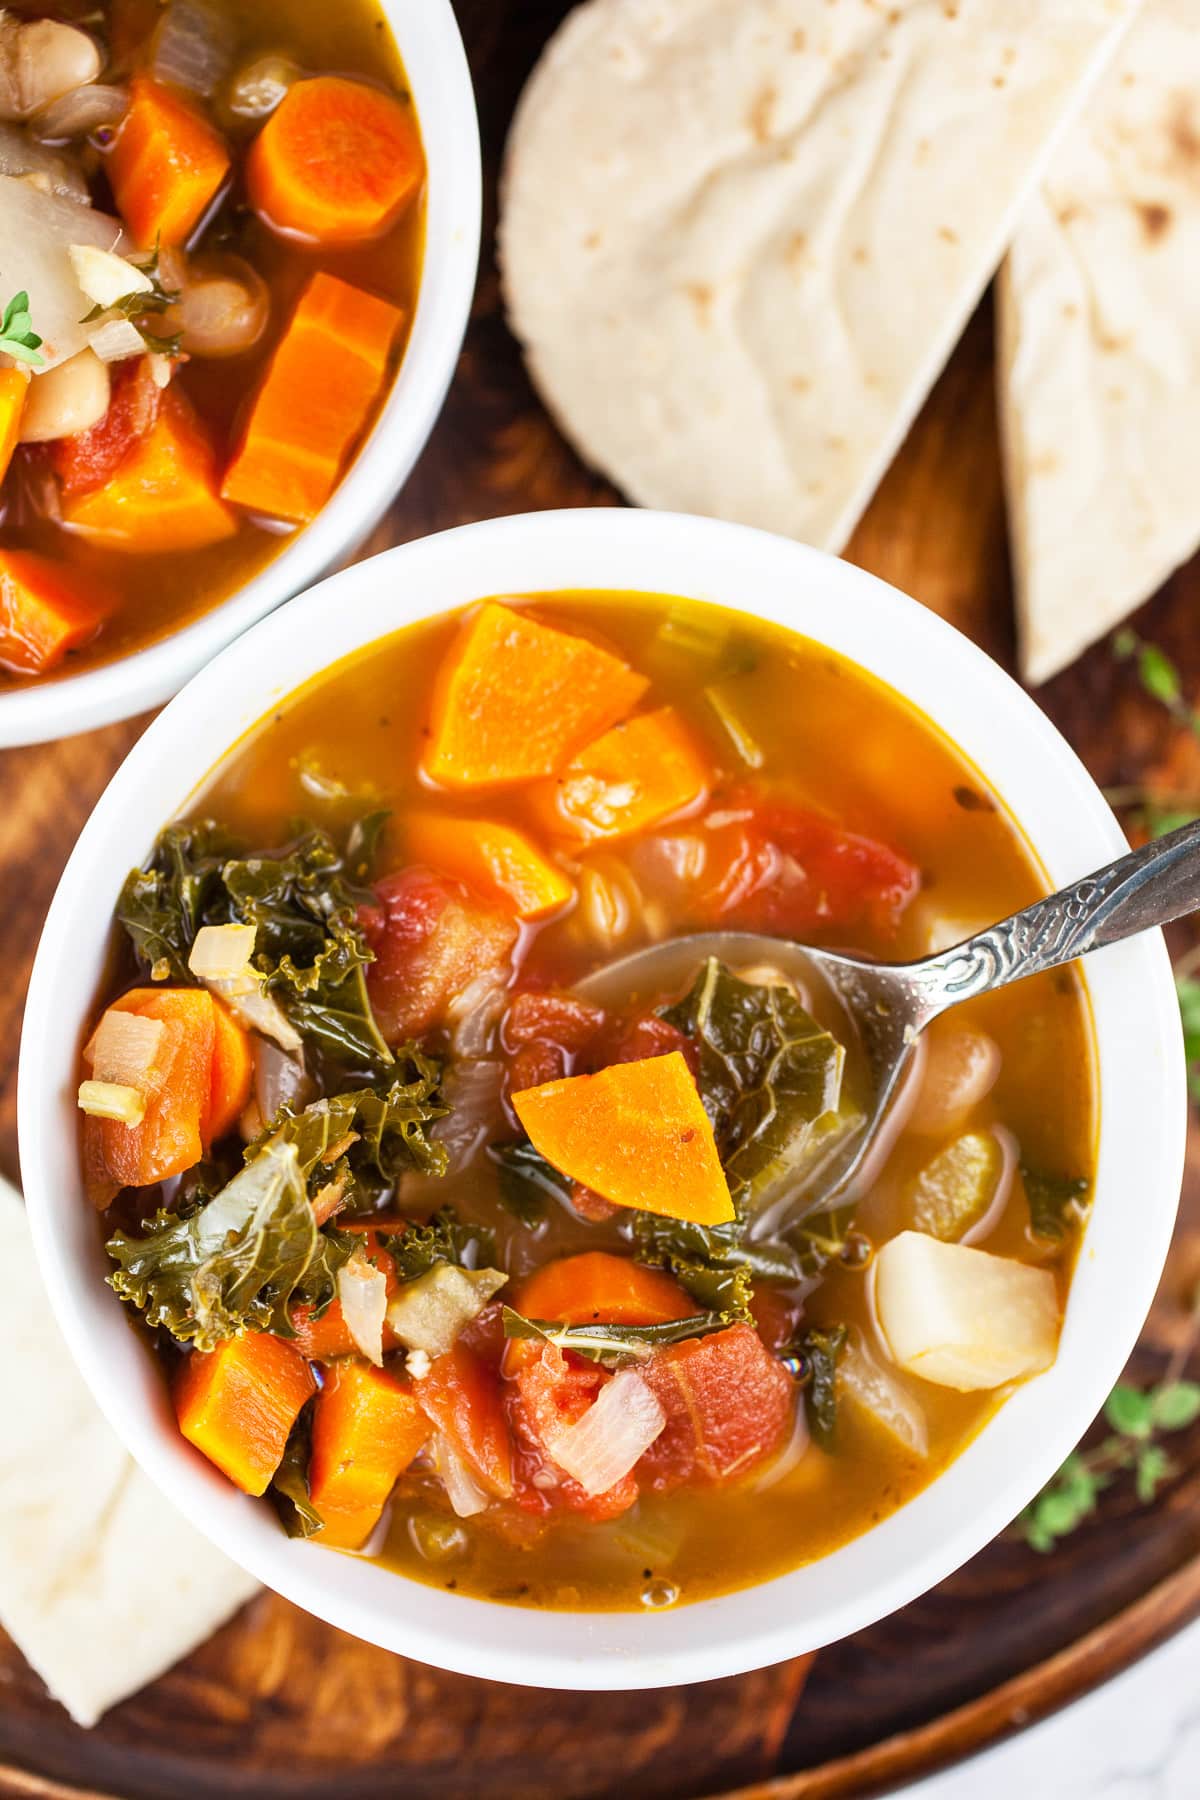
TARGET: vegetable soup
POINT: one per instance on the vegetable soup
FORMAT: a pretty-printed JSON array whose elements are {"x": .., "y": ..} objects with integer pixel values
[
  {"x": 211, "y": 219},
  {"x": 531, "y": 1289}
]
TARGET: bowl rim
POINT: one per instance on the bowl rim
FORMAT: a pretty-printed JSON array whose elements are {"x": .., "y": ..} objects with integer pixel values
[
  {"x": 1143, "y": 1113},
  {"x": 427, "y": 34}
]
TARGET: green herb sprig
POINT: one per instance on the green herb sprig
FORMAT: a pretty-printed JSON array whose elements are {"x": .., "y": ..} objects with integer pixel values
[
  {"x": 1161, "y": 680},
  {"x": 17, "y": 335}
]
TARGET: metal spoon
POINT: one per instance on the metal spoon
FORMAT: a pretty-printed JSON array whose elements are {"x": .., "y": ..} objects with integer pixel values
[{"x": 892, "y": 1003}]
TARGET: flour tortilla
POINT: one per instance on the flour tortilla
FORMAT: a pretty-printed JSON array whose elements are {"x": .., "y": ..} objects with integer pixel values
[
  {"x": 740, "y": 237},
  {"x": 1100, "y": 351},
  {"x": 102, "y": 1584}
]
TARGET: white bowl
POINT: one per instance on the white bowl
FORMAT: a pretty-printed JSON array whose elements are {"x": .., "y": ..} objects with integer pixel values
[
  {"x": 436, "y": 64},
  {"x": 1142, "y": 1115}
]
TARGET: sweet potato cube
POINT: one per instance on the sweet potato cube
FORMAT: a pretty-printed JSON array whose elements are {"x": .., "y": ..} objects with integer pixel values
[
  {"x": 367, "y": 1427},
  {"x": 494, "y": 859},
  {"x": 634, "y": 777},
  {"x": 515, "y": 699},
  {"x": 238, "y": 1403},
  {"x": 163, "y": 494},
  {"x": 45, "y": 610},
  {"x": 637, "y": 1134}
]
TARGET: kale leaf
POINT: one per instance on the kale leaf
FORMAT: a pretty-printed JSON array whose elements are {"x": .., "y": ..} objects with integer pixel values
[
  {"x": 1057, "y": 1203},
  {"x": 445, "y": 1238},
  {"x": 310, "y": 951},
  {"x": 818, "y": 1352},
  {"x": 769, "y": 1075},
  {"x": 527, "y": 1181},
  {"x": 289, "y": 1484},
  {"x": 239, "y": 1262},
  {"x": 613, "y": 1345}
]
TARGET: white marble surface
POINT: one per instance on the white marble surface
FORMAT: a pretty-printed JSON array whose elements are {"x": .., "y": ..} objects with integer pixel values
[{"x": 1136, "y": 1738}]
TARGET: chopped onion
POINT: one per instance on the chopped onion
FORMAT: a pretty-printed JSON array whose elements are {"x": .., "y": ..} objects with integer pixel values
[
  {"x": 894, "y": 1409},
  {"x": 428, "y": 1313},
  {"x": 106, "y": 278},
  {"x": 362, "y": 1290},
  {"x": 116, "y": 341},
  {"x": 257, "y": 1012},
  {"x": 279, "y": 1079},
  {"x": 223, "y": 952},
  {"x": 257, "y": 89},
  {"x": 462, "y": 1490},
  {"x": 472, "y": 1090},
  {"x": 474, "y": 1013},
  {"x": 110, "y": 1100},
  {"x": 81, "y": 112},
  {"x": 193, "y": 47},
  {"x": 615, "y": 1431},
  {"x": 125, "y": 1049}
]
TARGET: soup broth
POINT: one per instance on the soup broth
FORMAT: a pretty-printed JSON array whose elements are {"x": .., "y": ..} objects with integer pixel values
[{"x": 785, "y": 732}]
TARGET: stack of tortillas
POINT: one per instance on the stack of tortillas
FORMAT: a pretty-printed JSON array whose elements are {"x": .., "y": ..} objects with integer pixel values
[
  {"x": 1099, "y": 306},
  {"x": 741, "y": 237}
]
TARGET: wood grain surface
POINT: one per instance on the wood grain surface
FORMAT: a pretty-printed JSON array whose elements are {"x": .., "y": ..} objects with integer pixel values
[{"x": 277, "y": 1704}]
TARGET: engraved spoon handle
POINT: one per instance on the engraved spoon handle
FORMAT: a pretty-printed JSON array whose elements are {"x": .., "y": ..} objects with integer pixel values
[{"x": 1149, "y": 887}]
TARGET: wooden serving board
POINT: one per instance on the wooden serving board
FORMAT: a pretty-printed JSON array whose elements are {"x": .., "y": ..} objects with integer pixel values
[{"x": 277, "y": 1704}]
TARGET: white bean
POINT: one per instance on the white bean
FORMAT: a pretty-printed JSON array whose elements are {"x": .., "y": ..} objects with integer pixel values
[
  {"x": 66, "y": 400},
  {"x": 40, "y": 59},
  {"x": 257, "y": 89},
  {"x": 222, "y": 309},
  {"x": 960, "y": 1069}
]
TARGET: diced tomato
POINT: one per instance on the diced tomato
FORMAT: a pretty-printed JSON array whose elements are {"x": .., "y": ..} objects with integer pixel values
[
  {"x": 328, "y": 1337},
  {"x": 776, "y": 1318},
  {"x": 781, "y": 869},
  {"x": 543, "y": 1032},
  {"x": 90, "y": 458},
  {"x": 589, "y": 1205},
  {"x": 547, "y": 1394},
  {"x": 432, "y": 937},
  {"x": 631, "y": 1040},
  {"x": 461, "y": 1396},
  {"x": 728, "y": 1404}
]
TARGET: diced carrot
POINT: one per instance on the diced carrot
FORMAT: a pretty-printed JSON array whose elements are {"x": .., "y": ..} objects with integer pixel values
[
  {"x": 366, "y": 1429},
  {"x": 460, "y": 1395},
  {"x": 432, "y": 937},
  {"x": 728, "y": 1403},
  {"x": 232, "y": 1074},
  {"x": 315, "y": 401},
  {"x": 597, "y": 1287},
  {"x": 162, "y": 496},
  {"x": 594, "y": 1288},
  {"x": 637, "y": 1134},
  {"x": 238, "y": 1403},
  {"x": 491, "y": 857},
  {"x": 336, "y": 163},
  {"x": 515, "y": 699},
  {"x": 46, "y": 609},
  {"x": 165, "y": 166},
  {"x": 14, "y": 388},
  {"x": 172, "y": 1134},
  {"x": 635, "y": 776}
]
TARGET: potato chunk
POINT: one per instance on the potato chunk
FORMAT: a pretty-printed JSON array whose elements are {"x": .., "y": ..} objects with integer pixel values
[{"x": 964, "y": 1318}]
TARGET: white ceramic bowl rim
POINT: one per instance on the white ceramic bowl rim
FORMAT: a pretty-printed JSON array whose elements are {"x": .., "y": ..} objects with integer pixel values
[
  {"x": 1139, "y": 1048},
  {"x": 436, "y": 65}
]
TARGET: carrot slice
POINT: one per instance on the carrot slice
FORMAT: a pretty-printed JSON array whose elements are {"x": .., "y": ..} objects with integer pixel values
[
  {"x": 635, "y": 776},
  {"x": 493, "y": 858},
  {"x": 238, "y": 1403},
  {"x": 45, "y": 610},
  {"x": 336, "y": 163},
  {"x": 315, "y": 401},
  {"x": 637, "y": 1134},
  {"x": 14, "y": 389},
  {"x": 366, "y": 1429},
  {"x": 165, "y": 165},
  {"x": 172, "y": 1134},
  {"x": 516, "y": 699},
  {"x": 460, "y": 1395},
  {"x": 595, "y": 1288},
  {"x": 232, "y": 1074},
  {"x": 163, "y": 495}
]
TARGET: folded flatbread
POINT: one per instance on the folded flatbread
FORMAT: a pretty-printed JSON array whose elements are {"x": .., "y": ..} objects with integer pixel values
[
  {"x": 740, "y": 237},
  {"x": 1099, "y": 309},
  {"x": 103, "y": 1585}
]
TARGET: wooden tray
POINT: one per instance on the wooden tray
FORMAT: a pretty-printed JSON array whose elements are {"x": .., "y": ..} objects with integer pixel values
[{"x": 277, "y": 1704}]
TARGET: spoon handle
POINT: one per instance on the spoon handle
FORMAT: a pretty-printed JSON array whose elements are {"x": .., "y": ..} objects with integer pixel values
[{"x": 1149, "y": 887}]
